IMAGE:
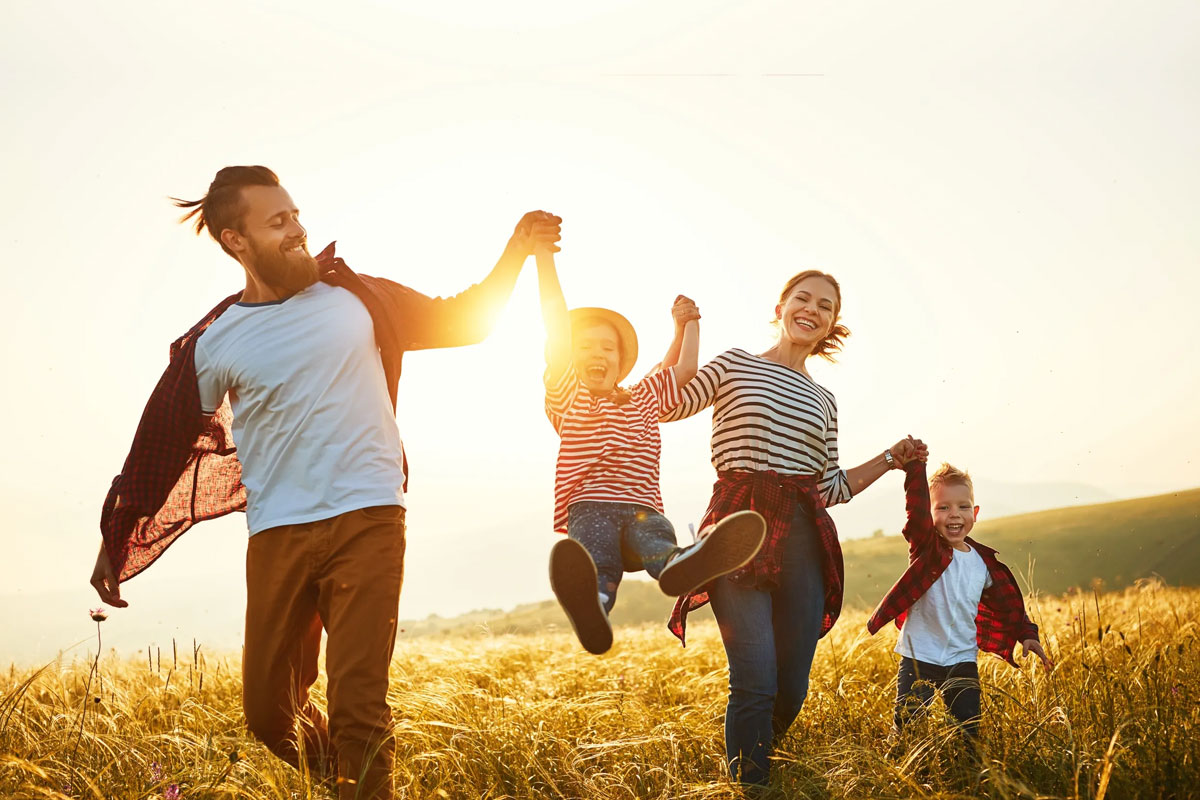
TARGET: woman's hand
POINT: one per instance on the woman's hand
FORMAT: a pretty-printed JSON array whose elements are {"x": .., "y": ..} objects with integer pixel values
[{"x": 909, "y": 449}]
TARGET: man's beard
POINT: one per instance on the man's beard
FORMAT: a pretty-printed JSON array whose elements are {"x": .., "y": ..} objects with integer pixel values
[{"x": 287, "y": 273}]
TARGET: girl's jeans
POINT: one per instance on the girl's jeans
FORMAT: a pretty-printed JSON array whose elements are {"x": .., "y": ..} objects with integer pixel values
[
  {"x": 770, "y": 638},
  {"x": 621, "y": 537}
]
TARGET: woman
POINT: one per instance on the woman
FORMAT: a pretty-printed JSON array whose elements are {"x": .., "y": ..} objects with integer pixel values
[{"x": 774, "y": 446}]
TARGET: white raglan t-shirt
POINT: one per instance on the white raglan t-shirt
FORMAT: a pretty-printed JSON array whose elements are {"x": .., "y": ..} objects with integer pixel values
[
  {"x": 312, "y": 419},
  {"x": 940, "y": 626}
]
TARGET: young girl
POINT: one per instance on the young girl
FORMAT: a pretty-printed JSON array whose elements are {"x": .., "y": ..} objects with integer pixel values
[{"x": 606, "y": 491}]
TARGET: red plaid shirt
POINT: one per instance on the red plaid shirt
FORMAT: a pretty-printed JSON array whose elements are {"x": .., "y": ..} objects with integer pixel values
[
  {"x": 1000, "y": 621},
  {"x": 180, "y": 472},
  {"x": 775, "y": 496}
]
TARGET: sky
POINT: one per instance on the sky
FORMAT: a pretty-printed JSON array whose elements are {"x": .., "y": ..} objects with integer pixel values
[{"x": 1006, "y": 192}]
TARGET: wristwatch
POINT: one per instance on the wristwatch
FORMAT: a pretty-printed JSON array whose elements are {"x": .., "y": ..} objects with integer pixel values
[{"x": 889, "y": 459}]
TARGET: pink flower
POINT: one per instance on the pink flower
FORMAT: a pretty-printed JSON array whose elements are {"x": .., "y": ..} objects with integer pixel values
[
  {"x": 98, "y": 614},
  {"x": 156, "y": 773},
  {"x": 172, "y": 792}
]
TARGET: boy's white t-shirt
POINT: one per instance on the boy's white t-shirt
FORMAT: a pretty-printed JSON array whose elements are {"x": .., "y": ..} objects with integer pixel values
[
  {"x": 940, "y": 626},
  {"x": 312, "y": 419}
]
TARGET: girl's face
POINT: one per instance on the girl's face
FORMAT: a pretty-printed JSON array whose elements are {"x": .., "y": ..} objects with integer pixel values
[
  {"x": 596, "y": 355},
  {"x": 808, "y": 312}
]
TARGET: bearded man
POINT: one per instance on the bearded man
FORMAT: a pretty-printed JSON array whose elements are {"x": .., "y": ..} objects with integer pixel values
[{"x": 281, "y": 402}]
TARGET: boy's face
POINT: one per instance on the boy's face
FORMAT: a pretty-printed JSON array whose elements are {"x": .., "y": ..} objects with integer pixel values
[
  {"x": 954, "y": 512},
  {"x": 596, "y": 355}
]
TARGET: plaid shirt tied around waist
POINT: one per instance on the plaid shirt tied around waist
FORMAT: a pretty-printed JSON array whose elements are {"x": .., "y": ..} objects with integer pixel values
[
  {"x": 775, "y": 496},
  {"x": 1000, "y": 621}
]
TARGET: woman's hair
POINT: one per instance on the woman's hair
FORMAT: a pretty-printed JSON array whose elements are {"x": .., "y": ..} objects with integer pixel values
[
  {"x": 832, "y": 342},
  {"x": 222, "y": 206},
  {"x": 947, "y": 475}
]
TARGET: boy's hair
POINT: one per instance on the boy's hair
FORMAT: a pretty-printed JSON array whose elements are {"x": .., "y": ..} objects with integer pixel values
[
  {"x": 948, "y": 475},
  {"x": 222, "y": 206}
]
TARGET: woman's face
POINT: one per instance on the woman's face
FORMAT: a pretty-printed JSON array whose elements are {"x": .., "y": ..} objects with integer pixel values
[{"x": 808, "y": 312}]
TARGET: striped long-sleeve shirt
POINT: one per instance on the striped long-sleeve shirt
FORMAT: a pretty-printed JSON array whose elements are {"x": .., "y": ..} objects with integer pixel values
[
  {"x": 767, "y": 417},
  {"x": 607, "y": 452}
]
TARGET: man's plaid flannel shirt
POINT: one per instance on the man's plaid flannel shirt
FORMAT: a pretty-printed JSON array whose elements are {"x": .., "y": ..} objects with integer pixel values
[
  {"x": 1000, "y": 621},
  {"x": 775, "y": 496},
  {"x": 180, "y": 472}
]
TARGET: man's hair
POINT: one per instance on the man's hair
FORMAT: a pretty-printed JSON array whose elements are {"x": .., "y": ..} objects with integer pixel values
[
  {"x": 948, "y": 475},
  {"x": 222, "y": 206}
]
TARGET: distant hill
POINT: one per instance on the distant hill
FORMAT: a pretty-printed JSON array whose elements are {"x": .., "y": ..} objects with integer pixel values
[{"x": 1115, "y": 543}]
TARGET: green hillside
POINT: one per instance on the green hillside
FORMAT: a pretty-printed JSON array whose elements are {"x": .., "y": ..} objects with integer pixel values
[{"x": 1116, "y": 543}]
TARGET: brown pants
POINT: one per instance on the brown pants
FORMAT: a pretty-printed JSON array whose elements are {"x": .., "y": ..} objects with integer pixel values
[{"x": 343, "y": 574}]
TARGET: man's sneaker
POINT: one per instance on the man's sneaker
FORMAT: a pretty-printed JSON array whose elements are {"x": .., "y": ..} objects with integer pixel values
[
  {"x": 573, "y": 579},
  {"x": 730, "y": 544}
]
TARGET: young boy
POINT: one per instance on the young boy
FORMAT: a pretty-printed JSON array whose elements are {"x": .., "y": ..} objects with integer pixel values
[
  {"x": 955, "y": 597},
  {"x": 606, "y": 490}
]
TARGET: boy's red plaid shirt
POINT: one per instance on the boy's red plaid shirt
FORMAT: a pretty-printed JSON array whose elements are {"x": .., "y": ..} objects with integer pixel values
[{"x": 1000, "y": 621}]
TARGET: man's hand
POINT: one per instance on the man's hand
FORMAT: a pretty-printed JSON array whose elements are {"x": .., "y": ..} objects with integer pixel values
[
  {"x": 537, "y": 231},
  {"x": 1035, "y": 647},
  {"x": 105, "y": 581},
  {"x": 684, "y": 311}
]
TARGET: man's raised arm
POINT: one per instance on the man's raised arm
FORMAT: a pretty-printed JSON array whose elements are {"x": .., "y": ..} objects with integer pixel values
[{"x": 468, "y": 317}]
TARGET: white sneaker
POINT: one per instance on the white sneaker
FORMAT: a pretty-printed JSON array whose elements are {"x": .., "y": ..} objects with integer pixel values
[{"x": 727, "y": 546}]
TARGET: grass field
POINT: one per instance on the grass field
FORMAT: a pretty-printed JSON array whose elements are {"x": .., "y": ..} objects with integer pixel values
[
  {"x": 1108, "y": 544},
  {"x": 534, "y": 717}
]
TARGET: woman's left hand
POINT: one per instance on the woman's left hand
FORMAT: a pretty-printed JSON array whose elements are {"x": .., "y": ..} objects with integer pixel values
[{"x": 909, "y": 449}]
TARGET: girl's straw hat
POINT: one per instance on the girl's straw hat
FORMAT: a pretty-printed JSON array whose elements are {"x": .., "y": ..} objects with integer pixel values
[{"x": 625, "y": 333}]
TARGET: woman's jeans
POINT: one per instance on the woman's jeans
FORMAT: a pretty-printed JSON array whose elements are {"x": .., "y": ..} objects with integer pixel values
[
  {"x": 620, "y": 538},
  {"x": 770, "y": 638}
]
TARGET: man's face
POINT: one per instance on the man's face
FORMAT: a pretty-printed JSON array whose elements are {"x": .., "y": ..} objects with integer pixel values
[
  {"x": 272, "y": 243},
  {"x": 954, "y": 512}
]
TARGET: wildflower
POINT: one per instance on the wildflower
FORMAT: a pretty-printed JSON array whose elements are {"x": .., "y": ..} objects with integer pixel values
[
  {"x": 156, "y": 773},
  {"x": 172, "y": 792},
  {"x": 98, "y": 614}
]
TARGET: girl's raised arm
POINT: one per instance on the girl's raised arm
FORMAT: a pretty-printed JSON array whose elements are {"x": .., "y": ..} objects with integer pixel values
[{"x": 554, "y": 315}]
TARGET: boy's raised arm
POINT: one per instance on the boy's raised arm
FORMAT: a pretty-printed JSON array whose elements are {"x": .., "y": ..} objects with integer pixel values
[
  {"x": 918, "y": 529},
  {"x": 554, "y": 313}
]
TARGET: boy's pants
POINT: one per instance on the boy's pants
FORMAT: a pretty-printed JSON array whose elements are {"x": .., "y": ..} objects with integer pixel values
[
  {"x": 342, "y": 574},
  {"x": 917, "y": 681},
  {"x": 621, "y": 537}
]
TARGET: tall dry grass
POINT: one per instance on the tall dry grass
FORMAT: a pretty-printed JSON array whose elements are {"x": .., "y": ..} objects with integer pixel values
[{"x": 534, "y": 717}]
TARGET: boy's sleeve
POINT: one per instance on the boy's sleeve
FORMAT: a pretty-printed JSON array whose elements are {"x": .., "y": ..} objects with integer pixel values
[
  {"x": 560, "y": 394},
  {"x": 918, "y": 527}
]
